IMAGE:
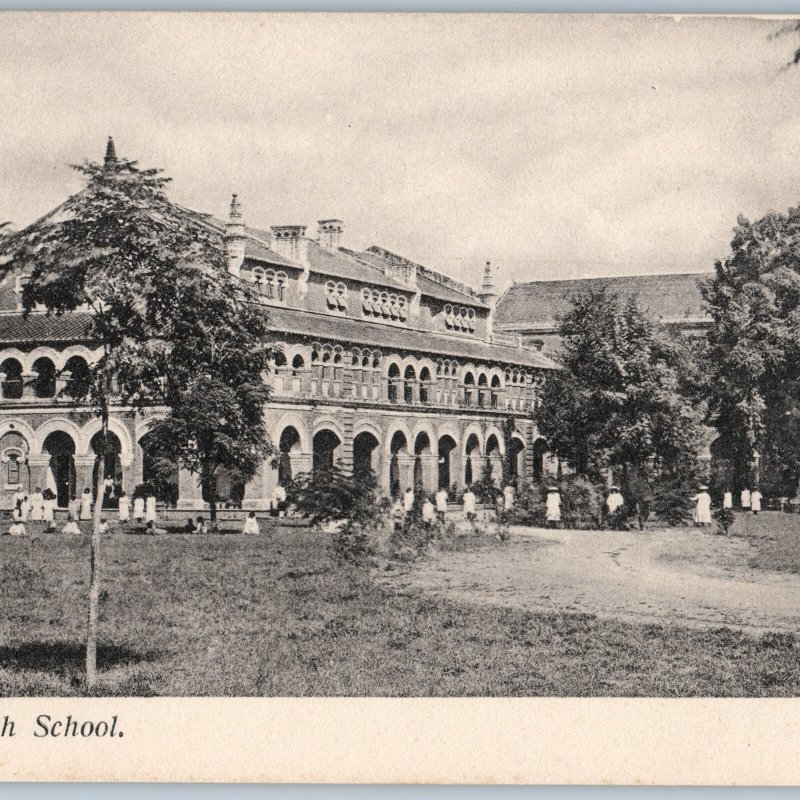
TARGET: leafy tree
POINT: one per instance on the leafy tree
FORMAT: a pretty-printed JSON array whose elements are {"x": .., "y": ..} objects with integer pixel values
[
  {"x": 625, "y": 398},
  {"x": 754, "y": 352},
  {"x": 149, "y": 281}
]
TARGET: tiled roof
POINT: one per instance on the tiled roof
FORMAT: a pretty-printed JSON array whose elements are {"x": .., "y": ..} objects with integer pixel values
[
  {"x": 41, "y": 328},
  {"x": 347, "y": 264},
  {"x": 670, "y": 298},
  {"x": 343, "y": 329},
  {"x": 255, "y": 250}
]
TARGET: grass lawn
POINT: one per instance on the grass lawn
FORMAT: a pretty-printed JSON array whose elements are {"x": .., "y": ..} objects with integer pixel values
[
  {"x": 275, "y": 615},
  {"x": 775, "y": 539}
]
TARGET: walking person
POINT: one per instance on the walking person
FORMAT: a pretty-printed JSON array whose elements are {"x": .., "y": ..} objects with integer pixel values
[
  {"x": 702, "y": 512},
  {"x": 755, "y": 501},
  {"x": 86, "y": 504},
  {"x": 553, "y": 507}
]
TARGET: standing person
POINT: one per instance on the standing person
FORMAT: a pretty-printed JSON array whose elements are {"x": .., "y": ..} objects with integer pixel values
[
  {"x": 86, "y": 504},
  {"x": 702, "y": 511},
  {"x": 124, "y": 507},
  {"x": 614, "y": 500},
  {"x": 508, "y": 498},
  {"x": 279, "y": 500},
  {"x": 138, "y": 508},
  {"x": 72, "y": 508},
  {"x": 48, "y": 509},
  {"x": 398, "y": 515},
  {"x": 19, "y": 496},
  {"x": 25, "y": 509},
  {"x": 408, "y": 500},
  {"x": 727, "y": 499},
  {"x": 745, "y": 499},
  {"x": 150, "y": 509},
  {"x": 553, "y": 506},
  {"x": 441, "y": 504},
  {"x": 108, "y": 491},
  {"x": 428, "y": 513},
  {"x": 755, "y": 501},
  {"x": 251, "y": 524},
  {"x": 469, "y": 504},
  {"x": 37, "y": 505}
]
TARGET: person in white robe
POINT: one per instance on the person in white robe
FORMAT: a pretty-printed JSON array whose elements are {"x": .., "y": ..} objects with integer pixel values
[
  {"x": 428, "y": 513},
  {"x": 745, "y": 499},
  {"x": 16, "y": 529},
  {"x": 37, "y": 505},
  {"x": 408, "y": 500},
  {"x": 124, "y": 507},
  {"x": 702, "y": 511},
  {"x": 614, "y": 500},
  {"x": 19, "y": 496},
  {"x": 508, "y": 498},
  {"x": 71, "y": 527},
  {"x": 727, "y": 500},
  {"x": 251, "y": 524},
  {"x": 441, "y": 504},
  {"x": 86, "y": 504},
  {"x": 553, "y": 506},
  {"x": 48, "y": 509},
  {"x": 279, "y": 501},
  {"x": 470, "y": 501},
  {"x": 138, "y": 509},
  {"x": 72, "y": 508},
  {"x": 755, "y": 501},
  {"x": 150, "y": 509},
  {"x": 25, "y": 509}
]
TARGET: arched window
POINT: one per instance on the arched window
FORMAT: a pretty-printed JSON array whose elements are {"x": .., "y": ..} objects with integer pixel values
[
  {"x": 394, "y": 380},
  {"x": 495, "y": 391},
  {"x": 12, "y": 383},
  {"x": 259, "y": 277},
  {"x": 409, "y": 379},
  {"x": 45, "y": 381},
  {"x": 336, "y": 296},
  {"x": 77, "y": 373},
  {"x": 297, "y": 364},
  {"x": 280, "y": 358},
  {"x": 469, "y": 388},
  {"x": 424, "y": 385}
]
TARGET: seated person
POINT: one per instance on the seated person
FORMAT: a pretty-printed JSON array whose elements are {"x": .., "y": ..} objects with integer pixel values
[
  {"x": 104, "y": 527},
  {"x": 189, "y": 527},
  {"x": 152, "y": 530},
  {"x": 251, "y": 524},
  {"x": 201, "y": 526},
  {"x": 16, "y": 529},
  {"x": 71, "y": 527}
]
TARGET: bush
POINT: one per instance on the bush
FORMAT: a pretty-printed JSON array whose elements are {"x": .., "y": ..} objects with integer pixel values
[
  {"x": 724, "y": 518},
  {"x": 529, "y": 506},
  {"x": 672, "y": 501},
  {"x": 581, "y": 503}
]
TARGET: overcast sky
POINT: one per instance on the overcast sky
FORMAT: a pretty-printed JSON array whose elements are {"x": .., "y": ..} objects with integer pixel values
[{"x": 554, "y": 146}]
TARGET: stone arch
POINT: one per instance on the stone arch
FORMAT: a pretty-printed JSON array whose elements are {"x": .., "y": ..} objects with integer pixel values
[
  {"x": 13, "y": 369},
  {"x": 366, "y": 426},
  {"x": 58, "y": 447},
  {"x": 89, "y": 356},
  {"x": 540, "y": 449},
  {"x": 51, "y": 426},
  {"x": 293, "y": 420},
  {"x": 472, "y": 428},
  {"x": 13, "y": 352},
  {"x": 516, "y": 456},
  {"x": 326, "y": 447},
  {"x": 20, "y": 427},
  {"x": 365, "y": 449},
  {"x": 44, "y": 381},
  {"x": 401, "y": 427},
  {"x": 115, "y": 426},
  {"x": 493, "y": 430},
  {"x": 322, "y": 423},
  {"x": 43, "y": 352}
]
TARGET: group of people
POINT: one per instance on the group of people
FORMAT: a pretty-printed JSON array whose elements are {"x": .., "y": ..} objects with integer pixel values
[{"x": 434, "y": 508}]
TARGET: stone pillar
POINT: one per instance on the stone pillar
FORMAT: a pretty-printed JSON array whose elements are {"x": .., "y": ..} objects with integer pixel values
[
  {"x": 84, "y": 474},
  {"x": 406, "y": 469},
  {"x": 129, "y": 474},
  {"x": 190, "y": 495},
  {"x": 37, "y": 466},
  {"x": 430, "y": 472},
  {"x": 28, "y": 384}
]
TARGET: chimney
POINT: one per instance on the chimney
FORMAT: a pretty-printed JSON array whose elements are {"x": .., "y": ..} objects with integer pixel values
[
  {"x": 234, "y": 237},
  {"x": 330, "y": 233},
  {"x": 111, "y": 154},
  {"x": 290, "y": 242}
]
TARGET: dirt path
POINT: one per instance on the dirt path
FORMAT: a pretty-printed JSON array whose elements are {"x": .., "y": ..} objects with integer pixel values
[{"x": 676, "y": 576}]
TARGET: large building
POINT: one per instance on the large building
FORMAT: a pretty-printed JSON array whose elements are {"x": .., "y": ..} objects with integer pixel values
[
  {"x": 532, "y": 310},
  {"x": 381, "y": 364}
]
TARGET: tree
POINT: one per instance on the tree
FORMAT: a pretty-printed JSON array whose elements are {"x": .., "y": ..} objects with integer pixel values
[
  {"x": 625, "y": 398},
  {"x": 754, "y": 352},
  {"x": 118, "y": 254}
]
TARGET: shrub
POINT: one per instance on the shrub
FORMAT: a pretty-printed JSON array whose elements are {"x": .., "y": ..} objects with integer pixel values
[
  {"x": 724, "y": 518},
  {"x": 581, "y": 503},
  {"x": 672, "y": 500},
  {"x": 529, "y": 506}
]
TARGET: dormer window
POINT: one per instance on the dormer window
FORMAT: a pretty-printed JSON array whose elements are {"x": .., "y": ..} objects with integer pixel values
[
  {"x": 271, "y": 284},
  {"x": 459, "y": 318},
  {"x": 336, "y": 296},
  {"x": 384, "y": 305}
]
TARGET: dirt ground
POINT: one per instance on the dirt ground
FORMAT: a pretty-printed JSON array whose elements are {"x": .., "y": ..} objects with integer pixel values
[{"x": 679, "y": 576}]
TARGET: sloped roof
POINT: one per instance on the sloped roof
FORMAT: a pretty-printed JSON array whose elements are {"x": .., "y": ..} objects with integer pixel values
[
  {"x": 347, "y": 264},
  {"x": 344, "y": 329},
  {"x": 669, "y": 298},
  {"x": 41, "y": 328}
]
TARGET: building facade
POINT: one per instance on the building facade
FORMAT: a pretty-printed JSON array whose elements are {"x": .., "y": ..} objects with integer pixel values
[{"x": 381, "y": 364}]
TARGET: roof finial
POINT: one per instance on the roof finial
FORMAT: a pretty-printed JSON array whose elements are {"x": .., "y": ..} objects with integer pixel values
[
  {"x": 236, "y": 208},
  {"x": 111, "y": 153},
  {"x": 487, "y": 287}
]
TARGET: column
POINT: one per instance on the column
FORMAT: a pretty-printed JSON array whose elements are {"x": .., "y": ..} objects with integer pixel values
[
  {"x": 28, "y": 385},
  {"x": 430, "y": 472},
  {"x": 38, "y": 472},
  {"x": 406, "y": 469},
  {"x": 84, "y": 474}
]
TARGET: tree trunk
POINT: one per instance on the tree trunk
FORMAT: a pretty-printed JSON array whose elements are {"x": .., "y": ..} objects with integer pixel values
[
  {"x": 209, "y": 482},
  {"x": 94, "y": 563}
]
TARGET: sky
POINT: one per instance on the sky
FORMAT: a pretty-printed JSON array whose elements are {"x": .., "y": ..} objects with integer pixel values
[{"x": 554, "y": 146}]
